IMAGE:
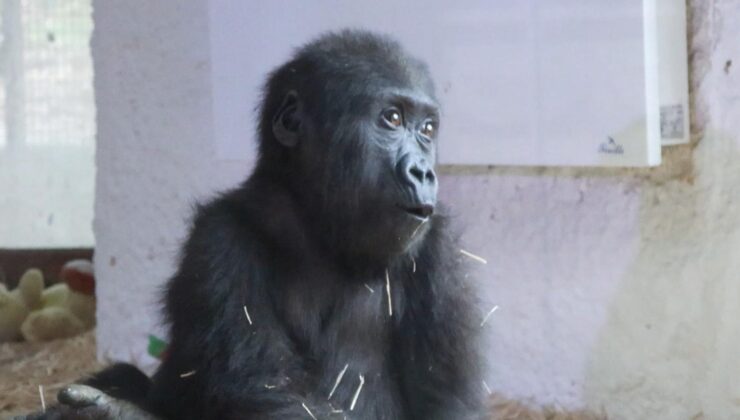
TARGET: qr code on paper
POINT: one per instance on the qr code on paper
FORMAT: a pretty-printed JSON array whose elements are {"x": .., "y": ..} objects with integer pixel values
[{"x": 671, "y": 122}]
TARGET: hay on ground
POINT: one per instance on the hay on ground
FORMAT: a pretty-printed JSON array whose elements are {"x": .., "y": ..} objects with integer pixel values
[{"x": 26, "y": 366}]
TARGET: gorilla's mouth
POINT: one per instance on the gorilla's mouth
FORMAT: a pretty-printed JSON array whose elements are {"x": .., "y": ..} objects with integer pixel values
[{"x": 421, "y": 211}]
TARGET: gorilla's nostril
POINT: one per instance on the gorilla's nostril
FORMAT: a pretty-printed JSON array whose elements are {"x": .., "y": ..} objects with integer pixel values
[{"x": 417, "y": 173}]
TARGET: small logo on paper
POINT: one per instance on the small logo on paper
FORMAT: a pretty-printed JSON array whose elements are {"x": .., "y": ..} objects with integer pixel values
[{"x": 611, "y": 147}]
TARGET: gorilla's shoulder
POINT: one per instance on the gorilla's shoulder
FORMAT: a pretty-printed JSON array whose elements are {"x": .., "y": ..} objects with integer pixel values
[
  {"x": 219, "y": 224},
  {"x": 225, "y": 207},
  {"x": 257, "y": 218}
]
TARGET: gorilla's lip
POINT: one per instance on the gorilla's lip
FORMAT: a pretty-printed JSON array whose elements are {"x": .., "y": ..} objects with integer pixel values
[{"x": 419, "y": 211}]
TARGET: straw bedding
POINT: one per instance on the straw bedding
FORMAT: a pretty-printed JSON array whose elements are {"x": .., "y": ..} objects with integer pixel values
[{"x": 26, "y": 366}]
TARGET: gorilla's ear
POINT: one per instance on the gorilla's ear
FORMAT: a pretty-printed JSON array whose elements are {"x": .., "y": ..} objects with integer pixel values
[{"x": 287, "y": 120}]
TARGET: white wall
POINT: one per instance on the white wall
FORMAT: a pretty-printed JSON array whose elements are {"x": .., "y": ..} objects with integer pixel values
[
  {"x": 617, "y": 289},
  {"x": 155, "y": 158},
  {"x": 543, "y": 83}
]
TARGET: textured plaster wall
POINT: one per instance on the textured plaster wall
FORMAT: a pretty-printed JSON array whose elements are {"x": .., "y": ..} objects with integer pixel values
[
  {"x": 152, "y": 92},
  {"x": 618, "y": 289}
]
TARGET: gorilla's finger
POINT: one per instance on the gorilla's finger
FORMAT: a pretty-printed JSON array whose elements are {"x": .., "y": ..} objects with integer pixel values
[{"x": 82, "y": 396}]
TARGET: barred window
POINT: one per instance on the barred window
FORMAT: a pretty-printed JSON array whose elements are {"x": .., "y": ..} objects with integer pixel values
[{"x": 47, "y": 124}]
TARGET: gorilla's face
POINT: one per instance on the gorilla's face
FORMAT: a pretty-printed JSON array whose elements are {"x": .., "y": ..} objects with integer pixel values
[
  {"x": 365, "y": 144},
  {"x": 381, "y": 188}
]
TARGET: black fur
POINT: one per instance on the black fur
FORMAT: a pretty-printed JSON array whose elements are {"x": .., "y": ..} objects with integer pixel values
[
  {"x": 302, "y": 242},
  {"x": 121, "y": 381}
]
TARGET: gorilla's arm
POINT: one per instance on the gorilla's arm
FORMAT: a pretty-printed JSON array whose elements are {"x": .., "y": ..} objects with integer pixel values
[
  {"x": 83, "y": 402},
  {"x": 443, "y": 380},
  {"x": 223, "y": 363},
  {"x": 116, "y": 393}
]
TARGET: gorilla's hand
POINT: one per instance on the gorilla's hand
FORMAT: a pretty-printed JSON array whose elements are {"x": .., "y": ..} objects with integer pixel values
[{"x": 87, "y": 403}]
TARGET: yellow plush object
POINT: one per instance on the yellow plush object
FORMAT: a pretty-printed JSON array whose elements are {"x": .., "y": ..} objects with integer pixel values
[
  {"x": 63, "y": 311},
  {"x": 15, "y": 305},
  {"x": 50, "y": 323}
]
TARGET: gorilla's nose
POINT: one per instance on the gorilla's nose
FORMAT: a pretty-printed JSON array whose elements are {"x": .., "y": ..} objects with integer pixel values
[
  {"x": 418, "y": 173},
  {"x": 421, "y": 173}
]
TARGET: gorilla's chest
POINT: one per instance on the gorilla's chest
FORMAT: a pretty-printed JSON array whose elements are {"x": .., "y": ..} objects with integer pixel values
[
  {"x": 328, "y": 316},
  {"x": 346, "y": 331}
]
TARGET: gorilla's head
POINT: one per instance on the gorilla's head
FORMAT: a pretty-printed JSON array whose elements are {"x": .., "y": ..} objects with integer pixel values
[{"x": 350, "y": 126}]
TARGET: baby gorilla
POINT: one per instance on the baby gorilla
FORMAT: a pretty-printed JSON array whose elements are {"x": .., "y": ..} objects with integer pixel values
[{"x": 327, "y": 285}]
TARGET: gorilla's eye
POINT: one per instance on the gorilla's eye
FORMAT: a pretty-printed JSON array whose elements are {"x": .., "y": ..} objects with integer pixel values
[
  {"x": 393, "y": 117},
  {"x": 428, "y": 129}
]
